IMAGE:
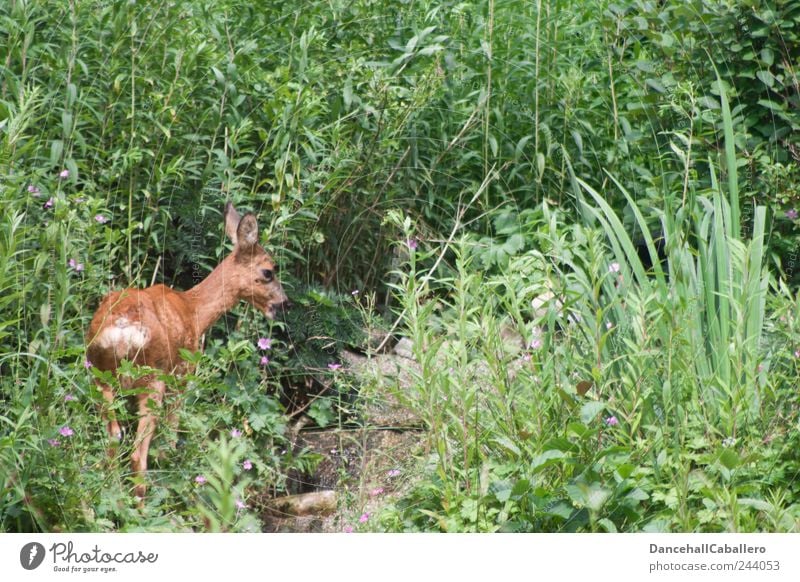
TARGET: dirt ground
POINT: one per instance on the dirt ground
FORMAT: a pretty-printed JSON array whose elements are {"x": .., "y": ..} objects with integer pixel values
[{"x": 363, "y": 466}]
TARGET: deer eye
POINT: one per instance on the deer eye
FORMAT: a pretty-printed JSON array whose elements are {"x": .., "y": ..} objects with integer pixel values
[{"x": 268, "y": 275}]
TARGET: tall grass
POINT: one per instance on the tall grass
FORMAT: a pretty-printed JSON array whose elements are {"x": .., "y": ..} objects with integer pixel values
[{"x": 673, "y": 359}]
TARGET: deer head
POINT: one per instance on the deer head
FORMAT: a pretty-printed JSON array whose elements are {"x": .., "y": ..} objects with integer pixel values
[{"x": 255, "y": 277}]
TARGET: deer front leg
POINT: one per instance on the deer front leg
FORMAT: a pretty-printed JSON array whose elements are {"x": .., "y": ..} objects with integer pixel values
[
  {"x": 144, "y": 433},
  {"x": 110, "y": 418}
]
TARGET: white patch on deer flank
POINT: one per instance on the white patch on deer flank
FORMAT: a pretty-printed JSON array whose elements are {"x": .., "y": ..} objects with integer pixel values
[{"x": 124, "y": 337}]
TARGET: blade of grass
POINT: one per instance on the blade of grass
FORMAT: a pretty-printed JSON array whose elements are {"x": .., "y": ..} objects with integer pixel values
[
  {"x": 648, "y": 239},
  {"x": 730, "y": 155}
]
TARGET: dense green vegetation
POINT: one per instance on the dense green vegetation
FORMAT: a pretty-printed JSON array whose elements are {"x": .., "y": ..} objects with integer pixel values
[{"x": 456, "y": 161}]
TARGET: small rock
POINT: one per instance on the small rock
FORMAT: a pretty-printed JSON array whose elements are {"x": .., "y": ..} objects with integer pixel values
[
  {"x": 405, "y": 349},
  {"x": 316, "y": 503}
]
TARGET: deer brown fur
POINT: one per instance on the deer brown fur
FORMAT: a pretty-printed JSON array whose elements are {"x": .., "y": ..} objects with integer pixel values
[{"x": 148, "y": 327}]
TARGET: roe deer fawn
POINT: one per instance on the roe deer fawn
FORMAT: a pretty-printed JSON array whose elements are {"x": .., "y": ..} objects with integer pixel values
[{"x": 149, "y": 326}]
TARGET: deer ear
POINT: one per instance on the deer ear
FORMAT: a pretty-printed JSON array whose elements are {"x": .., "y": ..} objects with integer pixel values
[
  {"x": 247, "y": 232},
  {"x": 232, "y": 220}
]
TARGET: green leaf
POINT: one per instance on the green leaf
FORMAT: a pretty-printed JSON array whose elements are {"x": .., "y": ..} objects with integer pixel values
[
  {"x": 540, "y": 164},
  {"x": 757, "y": 504},
  {"x": 508, "y": 444},
  {"x": 729, "y": 459},
  {"x": 56, "y": 149},
  {"x": 592, "y": 496},
  {"x": 766, "y": 77},
  {"x": 590, "y": 410},
  {"x": 520, "y": 488},
  {"x": 521, "y": 146},
  {"x": 493, "y": 145},
  {"x": 547, "y": 458},
  {"x": 607, "y": 525}
]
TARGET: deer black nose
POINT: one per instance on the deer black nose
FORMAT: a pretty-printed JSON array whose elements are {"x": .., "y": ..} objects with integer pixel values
[{"x": 284, "y": 306}]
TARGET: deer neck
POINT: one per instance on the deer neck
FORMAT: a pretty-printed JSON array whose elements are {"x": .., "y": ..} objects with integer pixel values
[{"x": 212, "y": 297}]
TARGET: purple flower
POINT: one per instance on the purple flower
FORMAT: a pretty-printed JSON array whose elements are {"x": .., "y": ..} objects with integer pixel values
[
  {"x": 375, "y": 492},
  {"x": 100, "y": 219},
  {"x": 334, "y": 366},
  {"x": 70, "y": 398},
  {"x": 526, "y": 357},
  {"x": 87, "y": 364},
  {"x": 791, "y": 214},
  {"x": 75, "y": 265},
  {"x": 797, "y": 353},
  {"x": 235, "y": 433},
  {"x": 364, "y": 518},
  {"x": 354, "y": 292},
  {"x": 611, "y": 421},
  {"x": 347, "y": 529},
  {"x": 66, "y": 431},
  {"x": 393, "y": 473},
  {"x": 49, "y": 204},
  {"x": 54, "y": 442},
  {"x": 264, "y": 343},
  {"x": 63, "y": 174},
  {"x": 240, "y": 504},
  {"x": 613, "y": 268},
  {"x": 264, "y": 360},
  {"x": 412, "y": 244},
  {"x": 536, "y": 343},
  {"x": 609, "y": 325},
  {"x": 200, "y": 479},
  {"x": 247, "y": 465},
  {"x": 33, "y": 190}
]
